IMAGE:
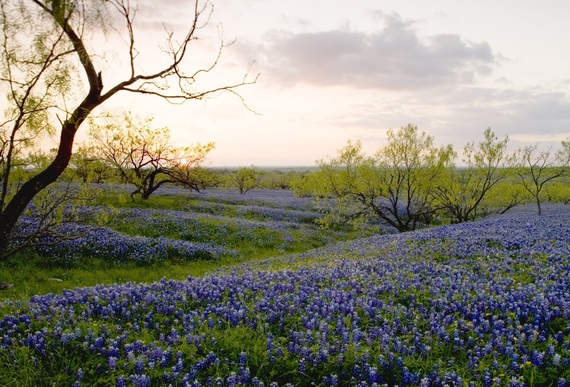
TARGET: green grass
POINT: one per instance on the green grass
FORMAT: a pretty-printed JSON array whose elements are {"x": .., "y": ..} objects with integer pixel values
[{"x": 32, "y": 274}]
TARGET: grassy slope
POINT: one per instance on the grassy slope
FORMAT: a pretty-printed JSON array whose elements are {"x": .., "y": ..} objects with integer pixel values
[
  {"x": 214, "y": 216},
  {"x": 485, "y": 302}
]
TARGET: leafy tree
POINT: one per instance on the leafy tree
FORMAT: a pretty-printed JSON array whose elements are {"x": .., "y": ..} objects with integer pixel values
[
  {"x": 538, "y": 168},
  {"x": 558, "y": 192},
  {"x": 346, "y": 186},
  {"x": 48, "y": 51},
  {"x": 463, "y": 191},
  {"x": 195, "y": 177},
  {"x": 245, "y": 179},
  {"x": 411, "y": 167},
  {"x": 144, "y": 156},
  {"x": 88, "y": 167},
  {"x": 505, "y": 195},
  {"x": 396, "y": 186},
  {"x": 278, "y": 179},
  {"x": 307, "y": 184}
]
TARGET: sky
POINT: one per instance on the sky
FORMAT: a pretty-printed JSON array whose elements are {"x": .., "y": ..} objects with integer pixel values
[{"x": 332, "y": 71}]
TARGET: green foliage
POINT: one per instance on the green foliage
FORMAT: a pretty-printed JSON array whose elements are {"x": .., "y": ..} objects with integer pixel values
[
  {"x": 87, "y": 167},
  {"x": 32, "y": 274},
  {"x": 245, "y": 179},
  {"x": 538, "y": 168},
  {"x": 505, "y": 195},
  {"x": 144, "y": 156},
  {"x": 396, "y": 186},
  {"x": 409, "y": 182},
  {"x": 558, "y": 192},
  {"x": 463, "y": 192},
  {"x": 34, "y": 77}
]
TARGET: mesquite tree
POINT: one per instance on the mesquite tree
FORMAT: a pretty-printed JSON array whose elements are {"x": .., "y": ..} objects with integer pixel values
[
  {"x": 144, "y": 156},
  {"x": 463, "y": 191},
  {"x": 396, "y": 186},
  {"x": 537, "y": 168},
  {"x": 48, "y": 49},
  {"x": 245, "y": 179}
]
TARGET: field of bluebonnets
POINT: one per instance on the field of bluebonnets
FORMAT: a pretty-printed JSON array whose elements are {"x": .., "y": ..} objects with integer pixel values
[{"x": 485, "y": 303}]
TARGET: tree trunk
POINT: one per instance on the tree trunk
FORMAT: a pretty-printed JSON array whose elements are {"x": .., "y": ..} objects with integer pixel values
[
  {"x": 29, "y": 189},
  {"x": 25, "y": 194}
]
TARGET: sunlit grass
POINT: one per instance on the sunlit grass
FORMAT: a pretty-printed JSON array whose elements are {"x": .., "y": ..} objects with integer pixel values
[
  {"x": 29, "y": 278},
  {"x": 32, "y": 273}
]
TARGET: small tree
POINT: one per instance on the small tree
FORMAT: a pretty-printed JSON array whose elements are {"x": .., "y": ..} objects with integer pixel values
[
  {"x": 505, "y": 195},
  {"x": 278, "y": 180},
  {"x": 463, "y": 191},
  {"x": 88, "y": 167},
  {"x": 411, "y": 167},
  {"x": 396, "y": 186},
  {"x": 307, "y": 184},
  {"x": 145, "y": 157},
  {"x": 558, "y": 192},
  {"x": 246, "y": 179},
  {"x": 538, "y": 168},
  {"x": 346, "y": 186}
]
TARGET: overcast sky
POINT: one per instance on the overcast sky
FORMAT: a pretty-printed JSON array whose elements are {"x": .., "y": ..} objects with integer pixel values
[{"x": 333, "y": 70}]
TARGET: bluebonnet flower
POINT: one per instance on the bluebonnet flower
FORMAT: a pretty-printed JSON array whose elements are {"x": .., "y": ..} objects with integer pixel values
[
  {"x": 112, "y": 363},
  {"x": 140, "y": 380},
  {"x": 494, "y": 291},
  {"x": 242, "y": 359},
  {"x": 302, "y": 365}
]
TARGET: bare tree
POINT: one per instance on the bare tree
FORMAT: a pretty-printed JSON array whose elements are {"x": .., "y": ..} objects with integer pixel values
[
  {"x": 46, "y": 54},
  {"x": 144, "y": 156},
  {"x": 536, "y": 168}
]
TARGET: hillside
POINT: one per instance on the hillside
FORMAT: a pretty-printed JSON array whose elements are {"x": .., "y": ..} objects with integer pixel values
[{"x": 486, "y": 302}]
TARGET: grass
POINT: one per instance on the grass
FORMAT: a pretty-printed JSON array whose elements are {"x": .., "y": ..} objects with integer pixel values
[
  {"x": 33, "y": 273},
  {"x": 32, "y": 277},
  {"x": 482, "y": 303}
]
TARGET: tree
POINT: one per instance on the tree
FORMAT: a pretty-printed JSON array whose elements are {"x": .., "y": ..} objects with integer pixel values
[
  {"x": 88, "y": 167},
  {"x": 47, "y": 54},
  {"x": 51, "y": 207},
  {"x": 246, "y": 179},
  {"x": 144, "y": 156},
  {"x": 538, "y": 168},
  {"x": 558, "y": 192},
  {"x": 396, "y": 186},
  {"x": 463, "y": 191},
  {"x": 346, "y": 186},
  {"x": 411, "y": 167}
]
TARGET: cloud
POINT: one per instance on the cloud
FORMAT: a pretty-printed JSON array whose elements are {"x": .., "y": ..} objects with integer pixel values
[
  {"x": 455, "y": 115},
  {"x": 510, "y": 111},
  {"x": 394, "y": 57},
  {"x": 172, "y": 15}
]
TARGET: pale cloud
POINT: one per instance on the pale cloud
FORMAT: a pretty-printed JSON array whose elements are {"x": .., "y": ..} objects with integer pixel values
[
  {"x": 456, "y": 115},
  {"x": 172, "y": 15},
  {"x": 394, "y": 57},
  {"x": 510, "y": 111}
]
